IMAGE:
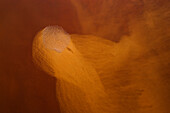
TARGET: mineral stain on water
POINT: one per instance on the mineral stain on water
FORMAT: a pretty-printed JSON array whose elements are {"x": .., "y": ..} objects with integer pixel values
[{"x": 54, "y": 37}]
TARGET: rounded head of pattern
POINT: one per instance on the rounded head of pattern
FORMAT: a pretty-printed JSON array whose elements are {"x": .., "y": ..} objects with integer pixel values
[{"x": 54, "y": 37}]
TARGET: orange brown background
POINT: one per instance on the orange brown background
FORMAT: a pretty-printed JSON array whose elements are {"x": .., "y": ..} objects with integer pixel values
[{"x": 23, "y": 87}]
